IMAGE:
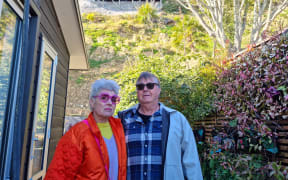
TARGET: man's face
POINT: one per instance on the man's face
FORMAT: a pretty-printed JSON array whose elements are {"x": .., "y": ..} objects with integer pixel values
[{"x": 146, "y": 95}]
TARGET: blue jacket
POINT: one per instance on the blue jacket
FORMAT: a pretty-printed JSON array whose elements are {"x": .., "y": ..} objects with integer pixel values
[{"x": 179, "y": 150}]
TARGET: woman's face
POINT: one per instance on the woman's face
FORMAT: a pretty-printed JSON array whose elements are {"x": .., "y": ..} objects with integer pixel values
[{"x": 103, "y": 104}]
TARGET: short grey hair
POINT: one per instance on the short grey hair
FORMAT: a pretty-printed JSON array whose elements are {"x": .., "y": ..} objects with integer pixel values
[
  {"x": 148, "y": 75},
  {"x": 101, "y": 84}
]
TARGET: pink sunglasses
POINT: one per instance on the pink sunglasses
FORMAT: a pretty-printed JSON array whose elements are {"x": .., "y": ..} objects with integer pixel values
[{"x": 103, "y": 97}]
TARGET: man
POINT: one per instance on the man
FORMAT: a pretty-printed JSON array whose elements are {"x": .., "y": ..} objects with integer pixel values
[{"x": 160, "y": 142}]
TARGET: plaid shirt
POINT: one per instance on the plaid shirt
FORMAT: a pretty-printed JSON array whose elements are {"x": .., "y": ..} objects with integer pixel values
[{"x": 144, "y": 160}]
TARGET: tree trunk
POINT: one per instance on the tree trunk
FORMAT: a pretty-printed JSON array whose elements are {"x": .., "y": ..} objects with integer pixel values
[{"x": 209, "y": 13}]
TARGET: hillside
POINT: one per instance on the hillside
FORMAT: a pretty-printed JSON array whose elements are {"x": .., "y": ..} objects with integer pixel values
[
  {"x": 112, "y": 40},
  {"x": 115, "y": 42}
]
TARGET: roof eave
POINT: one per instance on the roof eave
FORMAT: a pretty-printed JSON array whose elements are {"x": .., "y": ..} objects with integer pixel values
[{"x": 69, "y": 17}]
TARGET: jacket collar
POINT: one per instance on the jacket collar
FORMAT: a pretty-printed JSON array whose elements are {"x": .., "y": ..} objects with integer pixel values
[{"x": 92, "y": 122}]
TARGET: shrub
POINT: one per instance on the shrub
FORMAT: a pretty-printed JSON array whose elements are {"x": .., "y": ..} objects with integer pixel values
[
  {"x": 171, "y": 6},
  {"x": 146, "y": 13},
  {"x": 187, "y": 89},
  {"x": 278, "y": 171},
  {"x": 230, "y": 165},
  {"x": 227, "y": 165},
  {"x": 253, "y": 90}
]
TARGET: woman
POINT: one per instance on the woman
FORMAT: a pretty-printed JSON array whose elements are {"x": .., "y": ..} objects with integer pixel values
[{"x": 94, "y": 148}]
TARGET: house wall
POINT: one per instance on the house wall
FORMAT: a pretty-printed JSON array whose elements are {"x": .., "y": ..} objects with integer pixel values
[{"x": 49, "y": 28}]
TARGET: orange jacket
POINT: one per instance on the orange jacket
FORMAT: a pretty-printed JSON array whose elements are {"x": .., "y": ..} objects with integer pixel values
[{"x": 77, "y": 155}]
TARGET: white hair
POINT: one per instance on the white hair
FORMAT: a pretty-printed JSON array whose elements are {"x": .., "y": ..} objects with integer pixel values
[{"x": 101, "y": 84}]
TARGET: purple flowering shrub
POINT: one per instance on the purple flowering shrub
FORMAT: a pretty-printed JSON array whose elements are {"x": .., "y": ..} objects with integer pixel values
[{"x": 253, "y": 91}]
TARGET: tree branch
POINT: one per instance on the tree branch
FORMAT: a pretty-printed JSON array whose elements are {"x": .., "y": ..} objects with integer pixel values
[
  {"x": 244, "y": 19},
  {"x": 210, "y": 30},
  {"x": 210, "y": 14},
  {"x": 271, "y": 15}
]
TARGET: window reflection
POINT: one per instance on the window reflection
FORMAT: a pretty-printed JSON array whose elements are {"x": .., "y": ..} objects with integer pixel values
[
  {"x": 39, "y": 143},
  {"x": 8, "y": 20}
]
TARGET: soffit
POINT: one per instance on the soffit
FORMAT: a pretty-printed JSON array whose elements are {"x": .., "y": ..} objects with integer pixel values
[{"x": 69, "y": 17}]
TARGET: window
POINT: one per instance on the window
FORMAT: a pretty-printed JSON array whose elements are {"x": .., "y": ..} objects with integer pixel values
[
  {"x": 9, "y": 31},
  {"x": 43, "y": 111},
  {"x": 16, "y": 67}
]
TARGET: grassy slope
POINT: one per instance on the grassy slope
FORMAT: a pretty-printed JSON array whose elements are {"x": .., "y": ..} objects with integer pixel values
[{"x": 112, "y": 40}]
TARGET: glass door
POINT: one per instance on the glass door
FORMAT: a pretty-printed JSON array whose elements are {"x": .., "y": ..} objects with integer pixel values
[
  {"x": 8, "y": 43},
  {"x": 43, "y": 112}
]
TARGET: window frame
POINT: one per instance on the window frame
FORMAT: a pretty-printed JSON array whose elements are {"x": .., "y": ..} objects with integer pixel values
[
  {"x": 45, "y": 48},
  {"x": 17, "y": 118},
  {"x": 18, "y": 10},
  {"x": 8, "y": 124}
]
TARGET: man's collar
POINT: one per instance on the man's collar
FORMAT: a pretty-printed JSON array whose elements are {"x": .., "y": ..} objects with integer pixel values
[{"x": 134, "y": 109}]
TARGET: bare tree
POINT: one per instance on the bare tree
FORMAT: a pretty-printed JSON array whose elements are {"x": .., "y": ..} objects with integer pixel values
[{"x": 210, "y": 15}]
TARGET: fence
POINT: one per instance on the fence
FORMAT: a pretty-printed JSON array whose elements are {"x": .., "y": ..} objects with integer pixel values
[{"x": 216, "y": 121}]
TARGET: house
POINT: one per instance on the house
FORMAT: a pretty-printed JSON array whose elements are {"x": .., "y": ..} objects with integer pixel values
[{"x": 40, "y": 40}]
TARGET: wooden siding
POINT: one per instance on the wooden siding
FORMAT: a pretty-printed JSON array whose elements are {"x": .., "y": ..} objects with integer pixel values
[
  {"x": 50, "y": 28},
  {"x": 215, "y": 121}
]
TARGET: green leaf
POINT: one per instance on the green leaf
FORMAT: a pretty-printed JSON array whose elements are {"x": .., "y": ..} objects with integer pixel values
[
  {"x": 233, "y": 123},
  {"x": 283, "y": 88}
]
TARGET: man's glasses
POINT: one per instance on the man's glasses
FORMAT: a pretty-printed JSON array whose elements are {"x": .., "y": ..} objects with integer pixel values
[
  {"x": 148, "y": 85},
  {"x": 105, "y": 98}
]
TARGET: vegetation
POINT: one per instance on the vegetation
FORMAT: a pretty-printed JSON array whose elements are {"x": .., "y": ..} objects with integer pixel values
[
  {"x": 171, "y": 46},
  {"x": 252, "y": 92},
  {"x": 188, "y": 89},
  {"x": 146, "y": 14},
  {"x": 197, "y": 79},
  {"x": 215, "y": 18}
]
